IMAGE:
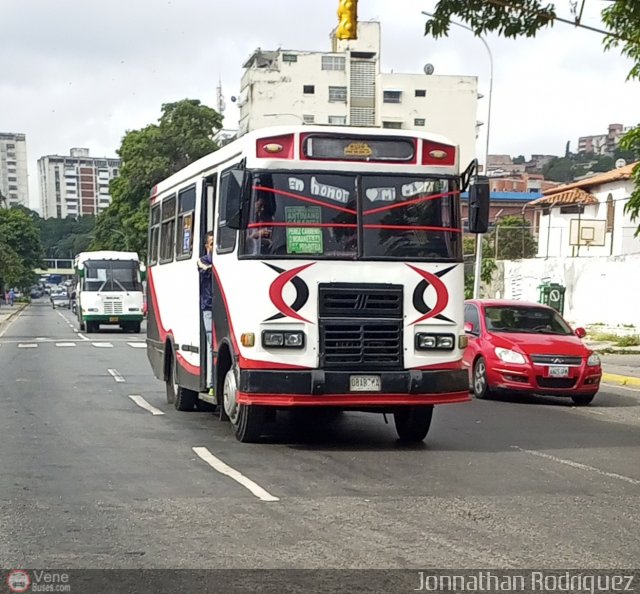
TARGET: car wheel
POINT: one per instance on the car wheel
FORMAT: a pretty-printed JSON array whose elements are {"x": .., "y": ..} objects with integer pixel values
[
  {"x": 481, "y": 388},
  {"x": 413, "y": 422},
  {"x": 583, "y": 399},
  {"x": 247, "y": 421}
]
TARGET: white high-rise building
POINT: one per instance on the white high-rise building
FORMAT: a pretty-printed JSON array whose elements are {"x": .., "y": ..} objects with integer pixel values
[
  {"x": 13, "y": 169},
  {"x": 75, "y": 185},
  {"x": 346, "y": 87}
]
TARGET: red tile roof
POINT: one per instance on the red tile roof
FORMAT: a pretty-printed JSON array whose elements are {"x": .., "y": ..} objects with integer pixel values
[{"x": 572, "y": 196}]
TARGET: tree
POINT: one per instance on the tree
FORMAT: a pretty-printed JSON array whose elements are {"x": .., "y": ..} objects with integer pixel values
[
  {"x": 20, "y": 247},
  {"x": 512, "y": 239},
  {"x": 183, "y": 134},
  {"x": 488, "y": 264},
  {"x": 518, "y": 18},
  {"x": 559, "y": 169},
  {"x": 519, "y": 160}
]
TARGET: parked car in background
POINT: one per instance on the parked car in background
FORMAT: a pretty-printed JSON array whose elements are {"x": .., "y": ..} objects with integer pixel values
[
  {"x": 521, "y": 347},
  {"x": 60, "y": 300}
]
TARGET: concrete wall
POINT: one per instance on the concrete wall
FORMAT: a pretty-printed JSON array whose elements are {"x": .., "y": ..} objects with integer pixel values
[{"x": 602, "y": 290}]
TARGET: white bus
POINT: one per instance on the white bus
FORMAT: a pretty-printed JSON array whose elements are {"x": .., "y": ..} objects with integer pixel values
[
  {"x": 337, "y": 275},
  {"x": 109, "y": 290}
]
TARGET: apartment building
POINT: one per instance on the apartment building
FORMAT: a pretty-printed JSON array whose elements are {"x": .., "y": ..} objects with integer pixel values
[
  {"x": 603, "y": 144},
  {"x": 75, "y": 185},
  {"x": 13, "y": 169},
  {"x": 345, "y": 87}
]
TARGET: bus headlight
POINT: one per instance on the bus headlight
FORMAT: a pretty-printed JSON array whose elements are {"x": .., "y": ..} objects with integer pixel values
[
  {"x": 280, "y": 339},
  {"x": 434, "y": 342},
  {"x": 94, "y": 309}
]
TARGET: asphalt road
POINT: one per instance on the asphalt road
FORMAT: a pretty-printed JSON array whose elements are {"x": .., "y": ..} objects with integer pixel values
[{"x": 90, "y": 478}]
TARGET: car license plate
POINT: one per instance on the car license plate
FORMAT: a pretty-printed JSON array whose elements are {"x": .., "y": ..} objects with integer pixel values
[
  {"x": 113, "y": 319},
  {"x": 365, "y": 383},
  {"x": 558, "y": 371}
]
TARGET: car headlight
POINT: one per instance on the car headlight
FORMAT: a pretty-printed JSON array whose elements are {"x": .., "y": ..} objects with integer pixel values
[
  {"x": 509, "y": 356},
  {"x": 430, "y": 342},
  {"x": 593, "y": 360},
  {"x": 282, "y": 339}
]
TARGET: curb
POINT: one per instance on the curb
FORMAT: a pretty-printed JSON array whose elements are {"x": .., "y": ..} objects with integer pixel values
[
  {"x": 13, "y": 314},
  {"x": 621, "y": 380}
]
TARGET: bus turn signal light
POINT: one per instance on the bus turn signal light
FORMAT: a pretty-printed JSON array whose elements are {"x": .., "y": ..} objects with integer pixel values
[{"x": 248, "y": 339}]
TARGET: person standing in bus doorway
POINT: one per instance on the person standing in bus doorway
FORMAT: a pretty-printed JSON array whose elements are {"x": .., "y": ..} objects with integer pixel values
[{"x": 205, "y": 266}]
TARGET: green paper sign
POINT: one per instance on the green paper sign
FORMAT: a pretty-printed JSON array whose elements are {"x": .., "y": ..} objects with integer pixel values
[{"x": 304, "y": 240}]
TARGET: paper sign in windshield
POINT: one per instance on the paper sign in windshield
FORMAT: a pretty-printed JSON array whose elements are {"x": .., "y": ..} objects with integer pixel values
[
  {"x": 304, "y": 240},
  {"x": 329, "y": 192},
  {"x": 381, "y": 194}
]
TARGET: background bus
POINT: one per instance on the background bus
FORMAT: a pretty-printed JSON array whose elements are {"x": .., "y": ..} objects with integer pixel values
[
  {"x": 337, "y": 275},
  {"x": 108, "y": 290}
]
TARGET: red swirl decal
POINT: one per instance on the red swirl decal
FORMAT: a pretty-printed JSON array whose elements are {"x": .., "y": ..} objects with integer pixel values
[
  {"x": 442, "y": 295},
  {"x": 277, "y": 287}
]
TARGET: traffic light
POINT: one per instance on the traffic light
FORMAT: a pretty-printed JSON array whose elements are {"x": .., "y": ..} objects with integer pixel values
[{"x": 347, "y": 19}]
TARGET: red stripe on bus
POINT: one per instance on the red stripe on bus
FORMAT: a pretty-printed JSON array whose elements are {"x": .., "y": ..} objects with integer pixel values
[
  {"x": 304, "y": 199},
  {"x": 352, "y": 399},
  {"x": 347, "y": 225},
  {"x": 410, "y": 202},
  {"x": 413, "y": 228}
]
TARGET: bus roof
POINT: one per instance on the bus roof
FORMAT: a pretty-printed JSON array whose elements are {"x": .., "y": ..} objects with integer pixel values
[
  {"x": 245, "y": 145},
  {"x": 105, "y": 255}
]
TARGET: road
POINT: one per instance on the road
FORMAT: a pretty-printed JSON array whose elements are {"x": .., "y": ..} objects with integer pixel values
[{"x": 90, "y": 478}]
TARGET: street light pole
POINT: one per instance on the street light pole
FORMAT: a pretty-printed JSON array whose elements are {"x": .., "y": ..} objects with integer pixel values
[{"x": 478, "y": 263}]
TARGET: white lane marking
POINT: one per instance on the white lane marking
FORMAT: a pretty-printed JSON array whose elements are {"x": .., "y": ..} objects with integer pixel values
[
  {"x": 40, "y": 338},
  {"x": 102, "y": 345},
  {"x": 65, "y": 344},
  {"x": 579, "y": 466},
  {"x": 116, "y": 375},
  {"x": 232, "y": 473},
  {"x": 82, "y": 336},
  {"x": 28, "y": 346},
  {"x": 142, "y": 403},
  {"x": 137, "y": 345}
]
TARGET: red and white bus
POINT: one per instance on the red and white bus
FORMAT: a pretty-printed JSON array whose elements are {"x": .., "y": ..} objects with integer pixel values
[{"x": 337, "y": 275}]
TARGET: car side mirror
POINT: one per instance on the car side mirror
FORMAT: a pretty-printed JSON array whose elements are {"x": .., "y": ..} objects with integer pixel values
[
  {"x": 479, "y": 202},
  {"x": 468, "y": 328},
  {"x": 581, "y": 332}
]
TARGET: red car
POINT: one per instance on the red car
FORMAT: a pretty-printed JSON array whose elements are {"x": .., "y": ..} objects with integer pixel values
[{"x": 516, "y": 346}]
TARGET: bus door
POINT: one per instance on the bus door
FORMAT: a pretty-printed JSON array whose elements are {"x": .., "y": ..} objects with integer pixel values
[{"x": 207, "y": 210}]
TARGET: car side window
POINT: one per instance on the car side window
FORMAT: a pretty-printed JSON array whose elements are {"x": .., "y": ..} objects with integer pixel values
[{"x": 471, "y": 316}]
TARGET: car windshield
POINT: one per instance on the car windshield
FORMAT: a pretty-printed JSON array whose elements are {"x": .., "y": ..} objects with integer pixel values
[
  {"x": 527, "y": 320},
  {"x": 348, "y": 216},
  {"x": 111, "y": 276}
]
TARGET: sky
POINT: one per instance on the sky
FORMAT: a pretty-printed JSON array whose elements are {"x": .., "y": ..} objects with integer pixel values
[{"x": 80, "y": 74}]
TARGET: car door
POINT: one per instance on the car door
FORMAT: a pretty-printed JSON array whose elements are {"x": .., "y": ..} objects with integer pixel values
[{"x": 471, "y": 316}]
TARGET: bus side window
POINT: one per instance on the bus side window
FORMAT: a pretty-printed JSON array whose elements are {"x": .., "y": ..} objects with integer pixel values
[
  {"x": 186, "y": 209},
  {"x": 226, "y": 237},
  {"x": 154, "y": 235},
  {"x": 168, "y": 230}
]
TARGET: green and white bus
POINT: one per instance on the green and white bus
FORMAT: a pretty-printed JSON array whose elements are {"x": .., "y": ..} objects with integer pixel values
[{"x": 109, "y": 290}]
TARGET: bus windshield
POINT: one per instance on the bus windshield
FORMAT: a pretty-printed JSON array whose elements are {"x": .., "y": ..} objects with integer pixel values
[
  {"x": 111, "y": 276},
  {"x": 349, "y": 216}
]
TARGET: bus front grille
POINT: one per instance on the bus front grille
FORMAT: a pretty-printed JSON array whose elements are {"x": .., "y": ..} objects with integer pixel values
[
  {"x": 360, "y": 326},
  {"x": 113, "y": 307}
]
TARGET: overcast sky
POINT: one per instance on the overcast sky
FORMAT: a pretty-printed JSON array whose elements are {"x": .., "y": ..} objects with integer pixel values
[{"x": 79, "y": 74}]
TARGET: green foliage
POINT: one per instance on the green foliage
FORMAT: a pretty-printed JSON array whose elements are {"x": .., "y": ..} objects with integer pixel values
[
  {"x": 519, "y": 160},
  {"x": 631, "y": 142},
  {"x": 512, "y": 239},
  {"x": 603, "y": 164},
  {"x": 182, "y": 135},
  {"x": 20, "y": 247},
  {"x": 623, "y": 18},
  {"x": 488, "y": 263},
  {"x": 559, "y": 169},
  {"x": 64, "y": 238}
]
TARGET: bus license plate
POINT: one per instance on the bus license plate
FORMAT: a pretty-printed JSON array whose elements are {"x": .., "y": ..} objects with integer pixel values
[
  {"x": 559, "y": 371},
  {"x": 113, "y": 319},
  {"x": 365, "y": 383}
]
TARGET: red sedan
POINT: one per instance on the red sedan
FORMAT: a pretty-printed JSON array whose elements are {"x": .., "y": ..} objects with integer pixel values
[{"x": 516, "y": 346}]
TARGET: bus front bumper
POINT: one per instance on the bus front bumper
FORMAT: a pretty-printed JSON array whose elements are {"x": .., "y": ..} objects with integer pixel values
[
  {"x": 332, "y": 388},
  {"x": 113, "y": 319}
]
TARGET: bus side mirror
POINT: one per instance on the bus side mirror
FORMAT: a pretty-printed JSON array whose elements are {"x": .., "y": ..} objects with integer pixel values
[
  {"x": 479, "y": 198},
  {"x": 234, "y": 191}
]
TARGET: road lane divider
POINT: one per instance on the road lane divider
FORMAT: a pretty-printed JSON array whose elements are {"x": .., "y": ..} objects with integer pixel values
[
  {"x": 29, "y": 345},
  {"x": 116, "y": 375},
  {"x": 65, "y": 344},
  {"x": 579, "y": 465},
  {"x": 138, "y": 345},
  {"x": 82, "y": 336},
  {"x": 233, "y": 474},
  {"x": 142, "y": 403},
  {"x": 102, "y": 345}
]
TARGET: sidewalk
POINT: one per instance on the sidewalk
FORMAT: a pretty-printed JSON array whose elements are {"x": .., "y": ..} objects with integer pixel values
[
  {"x": 623, "y": 370},
  {"x": 7, "y": 312}
]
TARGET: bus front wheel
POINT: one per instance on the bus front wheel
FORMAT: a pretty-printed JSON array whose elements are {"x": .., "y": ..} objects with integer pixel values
[
  {"x": 247, "y": 421},
  {"x": 413, "y": 422}
]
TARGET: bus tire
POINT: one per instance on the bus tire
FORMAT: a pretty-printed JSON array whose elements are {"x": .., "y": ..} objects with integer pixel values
[
  {"x": 91, "y": 327},
  {"x": 413, "y": 422},
  {"x": 247, "y": 421},
  {"x": 181, "y": 398},
  {"x": 135, "y": 327}
]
